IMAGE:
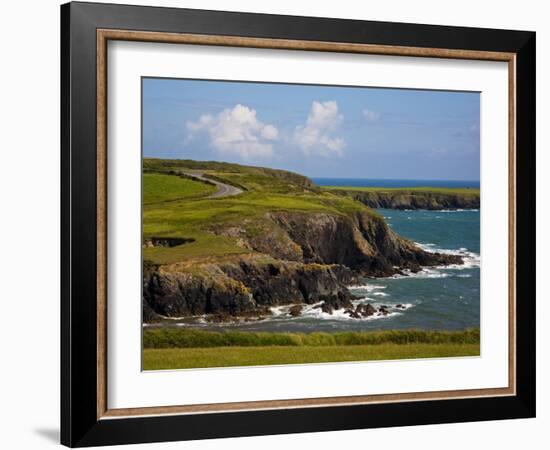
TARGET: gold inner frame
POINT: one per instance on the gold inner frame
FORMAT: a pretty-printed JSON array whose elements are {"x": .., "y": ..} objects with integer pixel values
[{"x": 104, "y": 35}]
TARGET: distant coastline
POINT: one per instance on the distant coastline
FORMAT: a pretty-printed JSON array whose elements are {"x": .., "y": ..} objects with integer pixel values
[{"x": 397, "y": 183}]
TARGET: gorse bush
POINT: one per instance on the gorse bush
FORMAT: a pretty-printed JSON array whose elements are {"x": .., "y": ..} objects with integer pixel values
[{"x": 188, "y": 338}]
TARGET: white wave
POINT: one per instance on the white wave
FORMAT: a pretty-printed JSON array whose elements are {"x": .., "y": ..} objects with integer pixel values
[
  {"x": 424, "y": 273},
  {"x": 357, "y": 301},
  {"x": 277, "y": 311},
  {"x": 386, "y": 304},
  {"x": 357, "y": 287},
  {"x": 366, "y": 287},
  {"x": 457, "y": 210},
  {"x": 374, "y": 287},
  {"x": 314, "y": 311},
  {"x": 380, "y": 294},
  {"x": 471, "y": 259}
]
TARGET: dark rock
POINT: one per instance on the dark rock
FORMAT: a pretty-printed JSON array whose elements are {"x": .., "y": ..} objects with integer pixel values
[
  {"x": 352, "y": 313},
  {"x": 362, "y": 242},
  {"x": 365, "y": 310},
  {"x": 175, "y": 294},
  {"x": 327, "y": 308},
  {"x": 243, "y": 287},
  {"x": 295, "y": 310},
  {"x": 166, "y": 241}
]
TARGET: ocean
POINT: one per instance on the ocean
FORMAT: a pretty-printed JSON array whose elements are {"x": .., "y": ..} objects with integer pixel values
[
  {"x": 442, "y": 298},
  {"x": 397, "y": 183}
]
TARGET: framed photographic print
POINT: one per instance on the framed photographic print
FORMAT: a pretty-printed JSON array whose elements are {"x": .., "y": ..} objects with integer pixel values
[{"x": 276, "y": 224}]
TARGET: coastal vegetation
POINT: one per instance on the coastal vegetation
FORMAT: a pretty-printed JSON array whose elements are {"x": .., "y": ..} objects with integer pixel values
[
  {"x": 192, "y": 338},
  {"x": 188, "y": 358},
  {"x": 184, "y": 349}
]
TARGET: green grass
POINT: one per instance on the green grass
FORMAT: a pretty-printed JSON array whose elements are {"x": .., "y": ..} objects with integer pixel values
[
  {"x": 249, "y": 177},
  {"x": 206, "y": 244},
  {"x": 179, "y": 207},
  {"x": 192, "y": 338},
  {"x": 412, "y": 190},
  {"x": 162, "y": 188},
  {"x": 187, "y": 358}
]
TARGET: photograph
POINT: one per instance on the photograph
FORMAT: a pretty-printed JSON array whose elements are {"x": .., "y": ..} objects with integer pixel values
[
  {"x": 276, "y": 225},
  {"x": 301, "y": 224}
]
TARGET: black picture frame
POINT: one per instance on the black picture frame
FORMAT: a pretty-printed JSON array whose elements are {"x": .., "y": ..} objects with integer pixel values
[{"x": 80, "y": 425}]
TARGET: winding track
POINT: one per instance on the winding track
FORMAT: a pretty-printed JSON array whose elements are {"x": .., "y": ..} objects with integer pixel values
[{"x": 224, "y": 190}]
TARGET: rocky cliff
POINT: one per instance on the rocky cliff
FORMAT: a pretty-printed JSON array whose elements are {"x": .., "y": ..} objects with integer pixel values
[
  {"x": 243, "y": 287},
  {"x": 296, "y": 258},
  {"x": 404, "y": 199}
]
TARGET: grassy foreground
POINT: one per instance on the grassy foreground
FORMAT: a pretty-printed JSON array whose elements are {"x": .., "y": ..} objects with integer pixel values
[
  {"x": 188, "y": 358},
  {"x": 172, "y": 348},
  {"x": 191, "y": 338}
]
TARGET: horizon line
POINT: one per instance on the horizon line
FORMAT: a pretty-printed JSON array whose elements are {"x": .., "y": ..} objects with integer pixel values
[{"x": 389, "y": 178}]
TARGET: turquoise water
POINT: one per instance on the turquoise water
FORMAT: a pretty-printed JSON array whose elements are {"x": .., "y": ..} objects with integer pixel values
[{"x": 443, "y": 298}]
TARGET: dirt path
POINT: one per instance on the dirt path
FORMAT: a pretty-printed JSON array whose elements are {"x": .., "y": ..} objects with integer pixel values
[{"x": 224, "y": 190}]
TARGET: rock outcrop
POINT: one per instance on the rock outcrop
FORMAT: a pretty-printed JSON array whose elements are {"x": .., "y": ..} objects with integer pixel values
[
  {"x": 311, "y": 259},
  {"x": 243, "y": 287},
  {"x": 362, "y": 242},
  {"x": 414, "y": 199}
]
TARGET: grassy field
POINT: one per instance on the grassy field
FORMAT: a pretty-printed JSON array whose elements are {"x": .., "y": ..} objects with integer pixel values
[
  {"x": 177, "y": 207},
  {"x": 191, "y": 338},
  {"x": 164, "y": 188},
  {"x": 175, "y": 348},
  {"x": 423, "y": 190},
  {"x": 187, "y": 358}
]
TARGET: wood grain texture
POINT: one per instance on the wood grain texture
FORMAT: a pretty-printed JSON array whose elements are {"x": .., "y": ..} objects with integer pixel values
[
  {"x": 101, "y": 189},
  {"x": 282, "y": 44},
  {"x": 307, "y": 402},
  {"x": 512, "y": 198},
  {"x": 103, "y": 35}
]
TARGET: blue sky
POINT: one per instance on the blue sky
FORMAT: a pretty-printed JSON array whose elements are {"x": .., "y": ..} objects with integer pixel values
[{"x": 319, "y": 131}]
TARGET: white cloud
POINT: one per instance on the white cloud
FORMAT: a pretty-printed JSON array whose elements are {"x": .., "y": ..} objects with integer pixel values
[
  {"x": 270, "y": 132},
  {"x": 238, "y": 132},
  {"x": 371, "y": 116},
  {"x": 316, "y": 136}
]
